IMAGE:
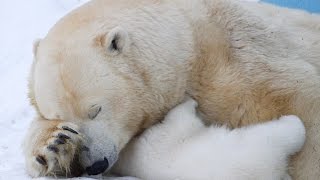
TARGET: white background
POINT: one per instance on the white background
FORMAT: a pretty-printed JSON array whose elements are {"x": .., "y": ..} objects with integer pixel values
[{"x": 21, "y": 21}]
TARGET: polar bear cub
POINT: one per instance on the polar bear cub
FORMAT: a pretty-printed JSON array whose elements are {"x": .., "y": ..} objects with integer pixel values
[{"x": 183, "y": 148}]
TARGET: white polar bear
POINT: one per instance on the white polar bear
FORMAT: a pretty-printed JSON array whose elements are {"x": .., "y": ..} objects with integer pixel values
[
  {"x": 181, "y": 147},
  {"x": 126, "y": 63}
]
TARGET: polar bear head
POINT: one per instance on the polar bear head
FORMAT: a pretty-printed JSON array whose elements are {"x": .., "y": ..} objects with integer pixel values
[{"x": 113, "y": 61}]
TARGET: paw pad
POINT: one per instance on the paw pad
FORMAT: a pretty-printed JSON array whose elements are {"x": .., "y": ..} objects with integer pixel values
[
  {"x": 60, "y": 141},
  {"x": 63, "y": 136},
  {"x": 53, "y": 148},
  {"x": 41, "y": 160}
]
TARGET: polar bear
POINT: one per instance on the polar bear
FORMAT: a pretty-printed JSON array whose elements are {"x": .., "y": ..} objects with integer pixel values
[
  {"x": 128, "y": 62},
  {"x": 182, "y": 147}
]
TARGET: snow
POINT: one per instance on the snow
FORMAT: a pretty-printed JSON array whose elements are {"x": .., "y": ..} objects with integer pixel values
[{"x": 22, "y": 22}]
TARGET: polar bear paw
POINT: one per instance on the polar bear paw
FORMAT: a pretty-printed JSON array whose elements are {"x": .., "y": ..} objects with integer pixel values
[
  {"x": 55, "y": 153},
  {"x": 288, "y": 133}
]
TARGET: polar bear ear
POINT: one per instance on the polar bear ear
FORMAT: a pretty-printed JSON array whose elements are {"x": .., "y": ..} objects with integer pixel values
[
  {"x": 117, "y": 41},
  {"x": 36, "y": 44}
]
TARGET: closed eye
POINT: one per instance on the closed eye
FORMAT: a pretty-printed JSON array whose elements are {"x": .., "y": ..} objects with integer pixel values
[{"x": 94, "y": 111}]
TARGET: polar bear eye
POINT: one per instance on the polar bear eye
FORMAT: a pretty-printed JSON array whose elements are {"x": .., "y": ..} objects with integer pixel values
[{"x": 94, "y": 111}]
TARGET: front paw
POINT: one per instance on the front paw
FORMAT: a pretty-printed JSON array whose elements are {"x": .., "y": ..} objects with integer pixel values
[{"x": 55, "y": 151}]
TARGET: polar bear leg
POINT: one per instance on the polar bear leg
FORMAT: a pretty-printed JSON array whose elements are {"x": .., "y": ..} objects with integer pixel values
[
  {"x": 284, "y": 136},
  {"x": 268, "y": 145},
  {"x": 51, "y": 146},
  {"x": 179, "y": 123},
  {"x": 287, "y": 133}
]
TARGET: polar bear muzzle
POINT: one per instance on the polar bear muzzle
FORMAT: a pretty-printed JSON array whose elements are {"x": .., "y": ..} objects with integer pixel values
[{"x": 100, "y": 152}]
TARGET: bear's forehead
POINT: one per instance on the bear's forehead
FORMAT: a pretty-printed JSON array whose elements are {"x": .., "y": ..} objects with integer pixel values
[
  {"x": 95, "y": 16},
  {"x": 58, "y": 94},
  {"x": 66, "y": 82},
  {"x": 68, "y": 63},
  {"x": 58, "y": 84}
]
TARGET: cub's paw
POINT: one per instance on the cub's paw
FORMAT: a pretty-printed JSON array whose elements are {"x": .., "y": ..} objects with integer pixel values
[
  {"x": 187, "y": 108},
  {"x": 55, "y": 150},
  {"x": 293, "y": 132},
  {"x": 190, "y": 104}
]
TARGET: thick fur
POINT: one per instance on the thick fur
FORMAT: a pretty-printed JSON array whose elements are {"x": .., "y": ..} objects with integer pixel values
[
  {"x": 182, "y": 147},
  {"x": 244, "y": 63}
]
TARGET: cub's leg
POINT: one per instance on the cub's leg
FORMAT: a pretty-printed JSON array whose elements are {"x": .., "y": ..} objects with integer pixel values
[
  {"x": 51, "y": 146},
  {"x": 286, "y": 134},
  {"x": 271, "y": 145},
  {"x": 181, "y": 121},
  {"x": 183, "y": 147}
]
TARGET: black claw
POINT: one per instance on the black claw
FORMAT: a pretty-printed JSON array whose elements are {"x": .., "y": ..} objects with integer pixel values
[
  {"x": 53, "y": 148},
  {"x": 69, "y": 129},
  {"x": 63, "y": 136},
  {"x": 60, "y": 141},
  {"x": 98, "y": 167},
  {"x": 41, "y": 160}
]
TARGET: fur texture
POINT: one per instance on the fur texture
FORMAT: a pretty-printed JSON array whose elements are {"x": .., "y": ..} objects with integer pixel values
[
  {"x": 182, "y": 147},
  {"x": 136, "y": 59}
]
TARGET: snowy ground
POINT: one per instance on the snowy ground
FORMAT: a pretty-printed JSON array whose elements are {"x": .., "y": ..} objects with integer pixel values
[{"x": 21, "y": 22}]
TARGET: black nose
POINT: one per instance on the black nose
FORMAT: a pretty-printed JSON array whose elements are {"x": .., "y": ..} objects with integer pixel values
[{"x": 98, "y": 167}]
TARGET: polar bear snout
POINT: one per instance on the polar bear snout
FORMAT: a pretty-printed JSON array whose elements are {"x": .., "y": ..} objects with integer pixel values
[
  {"x": 102, "y": 151},
  {"x": 99, "y": 158},
  {"x": 100, "y": 155},
  {"x": 98, "y": 167}
]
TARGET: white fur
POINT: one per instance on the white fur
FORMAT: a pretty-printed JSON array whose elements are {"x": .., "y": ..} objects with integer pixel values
[
  {"x": 181, "y": 147},
  {"x": 263, "y": 60}
]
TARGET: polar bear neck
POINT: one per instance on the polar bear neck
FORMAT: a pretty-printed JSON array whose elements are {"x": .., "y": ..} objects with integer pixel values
[{"x": 236, "y": 47}]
